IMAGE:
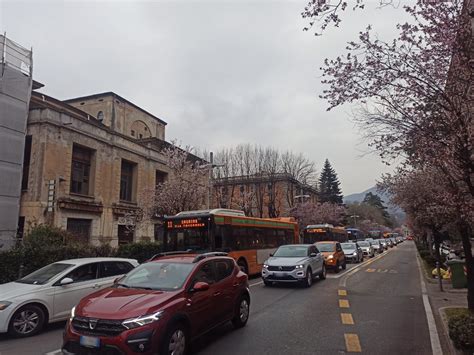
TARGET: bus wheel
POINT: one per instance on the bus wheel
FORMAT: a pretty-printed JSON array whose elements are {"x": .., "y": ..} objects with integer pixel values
[{"x": 243, "y": 266}]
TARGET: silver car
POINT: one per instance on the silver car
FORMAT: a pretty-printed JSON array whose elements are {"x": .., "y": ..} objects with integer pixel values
[
  {"x": 378, "y": 247},
  {"x": 294, "y": 263},
  {"x": 367, "y": 248}
]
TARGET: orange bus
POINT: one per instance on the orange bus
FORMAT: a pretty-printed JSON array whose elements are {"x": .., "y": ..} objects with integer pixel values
[
  {"x": 248, "y": 240},
  {"x": 324, "y": 232}
]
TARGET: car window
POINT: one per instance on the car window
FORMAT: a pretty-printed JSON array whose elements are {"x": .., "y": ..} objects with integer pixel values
[
  {"x": 205, "y": 274},
  {"x": 45, "y": 274},
  {"x": 164, "y": 276},
  {"x": 338, "y": 247},
  {"x": 315, "y": 250},
  {"x": 83, "y": 273},
  {"x": 224, "y": 269},
  {"x": 114, "y": 268}
]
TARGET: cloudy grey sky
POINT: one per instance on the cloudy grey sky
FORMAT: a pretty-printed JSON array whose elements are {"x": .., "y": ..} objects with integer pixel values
[{"x": 219, "y": 72}]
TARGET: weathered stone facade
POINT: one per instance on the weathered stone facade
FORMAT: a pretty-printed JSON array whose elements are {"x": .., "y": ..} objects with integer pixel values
[{"x": 86, "y": 197}]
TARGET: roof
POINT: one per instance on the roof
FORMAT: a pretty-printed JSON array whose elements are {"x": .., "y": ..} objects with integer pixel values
[
  {"x": 220, "y": 211},
  {"x": 82, "y": 261},
  {"x": 116, "y": 96}
]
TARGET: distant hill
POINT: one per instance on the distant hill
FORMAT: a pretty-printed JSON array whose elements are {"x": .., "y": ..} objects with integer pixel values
[{"x": 393, "y": 210}]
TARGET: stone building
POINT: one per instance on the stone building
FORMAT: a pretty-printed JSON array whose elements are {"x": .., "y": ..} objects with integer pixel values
[
  {"x": 268, "y": 195},
  {"x": 86, "y": 161}
]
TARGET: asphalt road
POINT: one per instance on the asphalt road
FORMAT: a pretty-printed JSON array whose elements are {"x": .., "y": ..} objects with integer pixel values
[{"x": 375, "y": 308}]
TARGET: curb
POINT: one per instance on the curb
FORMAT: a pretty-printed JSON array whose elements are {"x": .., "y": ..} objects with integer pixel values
[{"x": 444, "y": 321}]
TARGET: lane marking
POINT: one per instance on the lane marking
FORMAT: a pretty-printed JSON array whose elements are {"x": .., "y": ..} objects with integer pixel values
[
  {"x": 343, "y": 281},
  {"x": 342, "y": 292},
  {"x": 344, "y": 304},
  {"x": 370, "y": 270},
  {"x": 434, "y": 336},
  {"x": 346, "y": 318},
  {"x": 55, "y": 352},
  {"x": 352, "y": 343},
  {"x": 256, "y": 283}
]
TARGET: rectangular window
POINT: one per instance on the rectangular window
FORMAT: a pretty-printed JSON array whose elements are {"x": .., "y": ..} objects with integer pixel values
[
  {"x": 160, "y": 177},
  {"x": 21, "y": 227},
  {"x": 80, "y": 228},
  {"x": 26, "y": 163},
  {"x": 126, "y": 181},
  {"x": 125, "y": 235},
  {"x": 80, "y": 170}
]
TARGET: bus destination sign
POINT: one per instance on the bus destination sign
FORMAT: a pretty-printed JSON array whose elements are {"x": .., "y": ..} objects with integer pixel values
[
  {"x": 316, "y": 230},
  {"x": 185, "y": 223}
]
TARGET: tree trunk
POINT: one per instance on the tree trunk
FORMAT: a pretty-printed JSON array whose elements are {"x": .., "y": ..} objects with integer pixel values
[
  {"x": 437, "y": 241},
  {"x": 466, "y": 234}
]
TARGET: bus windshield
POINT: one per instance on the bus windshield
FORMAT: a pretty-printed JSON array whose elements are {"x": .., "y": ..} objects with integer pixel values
[{"x": 196, "y": 239}]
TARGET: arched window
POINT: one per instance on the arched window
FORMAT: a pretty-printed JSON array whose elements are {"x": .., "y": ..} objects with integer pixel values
[{"x": 100, "y": 116}]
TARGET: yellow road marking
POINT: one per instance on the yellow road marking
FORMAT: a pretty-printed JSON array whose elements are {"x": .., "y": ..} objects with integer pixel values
[
  {"x": 352, "y": 343},
  {"x": 343, "y": 303},
  {"x": 370, "y": 270},
  {"x": 346, "y": 318},
  {"x": 342, "y": 292}
]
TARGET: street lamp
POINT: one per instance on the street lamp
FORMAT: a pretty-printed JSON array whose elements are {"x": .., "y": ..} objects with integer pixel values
[
  {"x": 211, "y": 167},
  {"x": 355, "y": 219}
]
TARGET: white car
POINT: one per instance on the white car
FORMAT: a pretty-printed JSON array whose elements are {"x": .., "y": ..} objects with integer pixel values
[{"x": 48, "y": 294}]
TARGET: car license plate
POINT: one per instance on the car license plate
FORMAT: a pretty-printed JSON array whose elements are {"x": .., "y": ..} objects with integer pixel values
[
  {"x": 281, "y": 274},
  {"x": 90, "y": 342}
]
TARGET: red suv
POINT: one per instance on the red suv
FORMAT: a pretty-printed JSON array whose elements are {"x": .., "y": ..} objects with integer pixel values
[{"x": 160, "y": 306}]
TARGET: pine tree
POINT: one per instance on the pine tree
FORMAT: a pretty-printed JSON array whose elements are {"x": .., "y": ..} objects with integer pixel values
[
  {"x": 375, "y": 201},
  {"x": 329, "y": 189}
]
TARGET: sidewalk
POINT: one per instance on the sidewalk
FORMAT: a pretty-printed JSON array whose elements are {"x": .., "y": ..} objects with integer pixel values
[{"x": 440, "y": 300}]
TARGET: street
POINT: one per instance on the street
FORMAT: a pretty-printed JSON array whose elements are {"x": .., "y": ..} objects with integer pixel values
[{"x": 375, "y": 307}]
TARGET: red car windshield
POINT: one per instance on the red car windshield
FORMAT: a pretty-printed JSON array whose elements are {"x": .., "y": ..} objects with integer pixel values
[{"x": 163, "y": 276}]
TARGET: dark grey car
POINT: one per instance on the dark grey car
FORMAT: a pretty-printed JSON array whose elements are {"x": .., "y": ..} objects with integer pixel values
[
  {"x": 294, "y": 263},
  {"x": 353, "y": 252}
]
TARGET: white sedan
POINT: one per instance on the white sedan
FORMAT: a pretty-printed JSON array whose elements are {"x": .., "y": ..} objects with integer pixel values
[{"x": 48, "y": 294}]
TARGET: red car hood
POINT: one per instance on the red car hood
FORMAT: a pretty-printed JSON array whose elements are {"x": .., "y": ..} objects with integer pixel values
[{"x": 122, "y": 303}]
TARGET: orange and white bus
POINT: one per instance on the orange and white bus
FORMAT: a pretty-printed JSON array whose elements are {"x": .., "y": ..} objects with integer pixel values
[{"x": 248, "y": 240}]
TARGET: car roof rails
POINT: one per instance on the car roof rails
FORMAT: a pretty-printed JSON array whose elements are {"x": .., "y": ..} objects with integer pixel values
[
  {"x": 159, "y": 255},
  {"x": 208, "y": 255}
]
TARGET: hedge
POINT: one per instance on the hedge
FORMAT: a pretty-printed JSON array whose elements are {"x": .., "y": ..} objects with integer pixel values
[
  {"x": 45, "y": 245},
  {"x": 461, "y": 328}
]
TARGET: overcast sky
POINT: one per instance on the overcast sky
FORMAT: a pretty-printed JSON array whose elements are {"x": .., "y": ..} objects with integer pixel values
[{"x": 219, "y": 72}]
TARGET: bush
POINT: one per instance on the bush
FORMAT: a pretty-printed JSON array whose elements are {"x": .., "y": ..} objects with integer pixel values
[
  {"x": 141, "y": 251},
  {"x": 45, "y": 245},
  {"x": 461, "y": 328}
]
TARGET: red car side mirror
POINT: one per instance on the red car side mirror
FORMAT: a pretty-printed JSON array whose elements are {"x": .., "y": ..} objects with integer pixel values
[{"x": 201, "y": 286}]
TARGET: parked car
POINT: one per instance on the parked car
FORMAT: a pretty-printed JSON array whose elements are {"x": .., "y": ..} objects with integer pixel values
[
  {"x": 48, "y": 294},
  {"x": 294, "y": 263},
  {"x": 394, "y": 241},
  {"x": 378, "y": 247},
  {"x": 160, "y": 306},
  {"x": 367, "y": 248},
  {"x": 384, "y": 243},
  {"x": 389, "y": 242},
  {"x": 333, "y": 255},
  {"x": 352, "y": 252}
]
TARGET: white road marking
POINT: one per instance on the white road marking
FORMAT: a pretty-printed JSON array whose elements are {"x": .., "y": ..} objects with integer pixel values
[
  {"x": 55, "y": 352},
  {"x": 352, "y": 271},
  {"x": 256, "y": 283},
  {"x": 434, "y": 336}
]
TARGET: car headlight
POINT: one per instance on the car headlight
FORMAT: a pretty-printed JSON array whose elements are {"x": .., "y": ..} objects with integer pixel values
[
  {"x": 141, "y": 321},
  {"x": 354, "y": 253},
  {"x": 73, "y": 313},
  {"x": 299, "y": 266},
  {"x": 331, "y": 257},
  {"x": 4, "y": 304},
  {"x": 265, "y": 266}
]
